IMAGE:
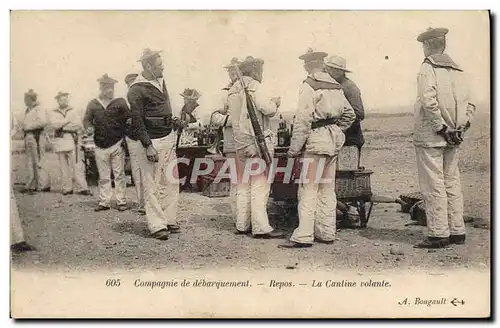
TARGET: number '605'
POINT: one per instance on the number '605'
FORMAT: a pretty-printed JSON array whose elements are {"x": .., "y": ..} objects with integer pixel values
[{"x": 112, "y": 282}]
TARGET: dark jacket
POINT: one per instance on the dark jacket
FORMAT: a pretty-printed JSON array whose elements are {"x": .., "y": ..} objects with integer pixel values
[
  {"x": 108, "y": 123},
  {"x": 151, "y": 112},
  {"x": 354, "y": 134}
]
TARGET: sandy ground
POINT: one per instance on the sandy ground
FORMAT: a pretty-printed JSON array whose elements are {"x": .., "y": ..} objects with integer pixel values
[{"x": 70, "y": 235}]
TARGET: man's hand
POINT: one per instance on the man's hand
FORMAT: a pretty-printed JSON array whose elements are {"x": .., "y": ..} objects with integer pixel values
[
  {"x": 89, "y": 131},
  {"x": 152, "y": 154},
  {"x": 291, "y": 154},
  {"x": 276, "y": 101}
]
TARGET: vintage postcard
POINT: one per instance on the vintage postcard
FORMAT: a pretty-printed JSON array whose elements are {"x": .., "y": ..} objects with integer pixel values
[{"x": 250, "y": 164}]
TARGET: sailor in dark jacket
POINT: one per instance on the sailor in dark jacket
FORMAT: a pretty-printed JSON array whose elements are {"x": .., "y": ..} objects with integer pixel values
[
  {"x": 336, "y": 67},
  {"x": 152, "y": 125},
  {"x": 106, "y": 116}
]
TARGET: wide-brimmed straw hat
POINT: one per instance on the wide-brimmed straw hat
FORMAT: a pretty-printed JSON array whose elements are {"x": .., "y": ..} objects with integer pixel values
[{"x": 337, "y": 62}]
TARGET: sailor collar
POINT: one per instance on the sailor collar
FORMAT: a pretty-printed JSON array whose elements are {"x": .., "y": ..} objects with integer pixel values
[
  {"x": 158, "y": 84},
  {"x": 63, "y": 111}
]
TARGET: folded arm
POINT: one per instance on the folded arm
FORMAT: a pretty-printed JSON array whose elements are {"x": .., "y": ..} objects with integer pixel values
[{"x": 348, "y": 113}]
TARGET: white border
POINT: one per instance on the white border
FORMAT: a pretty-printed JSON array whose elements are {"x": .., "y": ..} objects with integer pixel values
[{"x": 187, "y": 5}]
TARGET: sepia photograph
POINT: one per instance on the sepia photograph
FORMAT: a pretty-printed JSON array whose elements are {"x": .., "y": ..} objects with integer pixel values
[{"x": 250, "y": 164}]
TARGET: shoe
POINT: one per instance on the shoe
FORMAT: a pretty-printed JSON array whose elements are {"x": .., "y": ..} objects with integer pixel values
[
  {"x": 457, "y": 239},
  {"x": 292, "y": 244},
  {"x": 141, "y": 211},
  {"x": 45, "y": 189},
  {"x": 161, "y": 234},
  {"x": 22, "y": 247},
  {"x": 321, "y": 241},
  {"x": 122, "y": 207},
  {"x": 28, "y": 191},
  {"x": 434, "y": 242},
  {"x": 239, "y": 232},
  {"x": 173, "y": 228},
  {"x": 65, "y": 193},
  {"x": 85, "y": 193},
  {"x": 270, "y": 235},
  {"x": 101, "y": 208}
]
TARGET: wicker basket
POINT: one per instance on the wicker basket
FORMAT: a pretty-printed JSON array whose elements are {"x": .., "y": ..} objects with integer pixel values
[{"x": 353, "y": 184}]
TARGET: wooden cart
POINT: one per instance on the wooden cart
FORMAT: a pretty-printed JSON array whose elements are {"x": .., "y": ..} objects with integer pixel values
[{"x": 352, "y": 188}]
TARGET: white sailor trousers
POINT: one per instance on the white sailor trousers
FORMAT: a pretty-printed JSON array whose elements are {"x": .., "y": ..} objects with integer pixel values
[
  {"x": 161, "y": 185},
  {"x": 317, "y": 200},
  {"x": 16, "y": 229},
  {"x": 439, "y": 179},
  {"x": 107, "y": 159},
  {"x": 38, "y": 176},
  {"x": 137, "y": 154},
  {"x": 251, "y": 199},
  {"x": 72, "y": 171}
]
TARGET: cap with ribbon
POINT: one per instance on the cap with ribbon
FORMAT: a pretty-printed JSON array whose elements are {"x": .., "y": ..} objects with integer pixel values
[
  {"x": 432, "y": 33},
  {"x": 61, "y": 94},
  {"x": 30, "y": 94},
  {"x": 147, "y": 54},
  {"x": 337, "y": 62},
  {"x": 191, "y": 94},
  {"x": 234, "y": 61},
  {"x": 105, "y": 79},
  {"x": 311, "y": 55}
]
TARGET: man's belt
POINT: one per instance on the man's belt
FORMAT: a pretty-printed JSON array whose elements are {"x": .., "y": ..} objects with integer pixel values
[
  {"x": 324, "y": 122},
  {"x": 157, "y": 121},
  {"x": 36, "y": 133},
  {"x": 59, "y": 133}
]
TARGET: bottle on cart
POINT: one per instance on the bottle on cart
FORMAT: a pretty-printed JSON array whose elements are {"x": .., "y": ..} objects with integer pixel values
[
  {"x": 200, "y": 135},
  {"x": 281, "y": 132},
  {"x": 204, "y": 137}
]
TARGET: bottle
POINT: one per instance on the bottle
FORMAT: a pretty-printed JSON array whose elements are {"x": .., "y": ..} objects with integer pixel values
[
  {"x": 290, "y": 131},
  {"x": 199, "y": 135},
  {"x": 281, "y": 133}
]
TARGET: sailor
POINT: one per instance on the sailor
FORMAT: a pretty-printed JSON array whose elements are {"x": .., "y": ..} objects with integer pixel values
[
  {"x": 222, "y": 119},
  {"x": 152, "y": 122},
  {"x": 443, "y": 113},
  {"x": 323, "y": 114},
  {"x": 187, "y": 137},
  {"x": 136, "y": 152},
  {"x": 252, "y": 190},
  {"x": 106, "y": 117},
  {"x": 35, "y": 137},
  {"x": 17, "y": 241},
  {"x": 67, "y": 124}
]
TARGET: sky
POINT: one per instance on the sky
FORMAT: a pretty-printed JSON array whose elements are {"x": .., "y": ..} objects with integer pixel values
[{"x": 69, "y": 50}]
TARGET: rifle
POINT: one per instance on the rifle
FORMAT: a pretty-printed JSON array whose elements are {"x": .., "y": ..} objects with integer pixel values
[{"x": 261, "y": 140}]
